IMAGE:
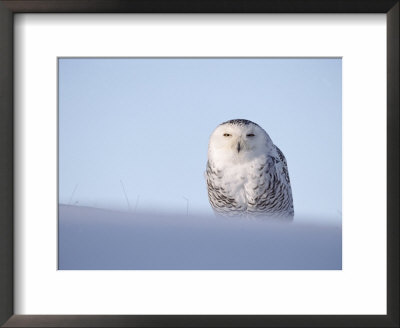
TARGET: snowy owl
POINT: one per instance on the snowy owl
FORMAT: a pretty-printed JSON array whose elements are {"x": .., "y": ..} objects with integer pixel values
[{"x": 247, "y": 174}]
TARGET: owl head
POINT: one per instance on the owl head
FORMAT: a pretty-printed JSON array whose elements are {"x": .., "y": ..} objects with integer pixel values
[{"x": 238, "y": 141}]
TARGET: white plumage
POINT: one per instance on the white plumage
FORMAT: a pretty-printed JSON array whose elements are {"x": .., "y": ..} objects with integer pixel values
[{"x": 246, "y": 173}]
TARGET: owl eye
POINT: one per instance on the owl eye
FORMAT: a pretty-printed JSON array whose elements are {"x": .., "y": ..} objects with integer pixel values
[
  {"x": 227, "y": 135},
  {"x": 250, "y": 135}
]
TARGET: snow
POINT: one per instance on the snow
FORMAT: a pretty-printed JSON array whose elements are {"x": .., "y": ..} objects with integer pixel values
[{"x": 98, "y": 239}]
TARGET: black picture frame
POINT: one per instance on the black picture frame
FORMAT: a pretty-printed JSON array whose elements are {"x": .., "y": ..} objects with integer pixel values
[{"x": 10, "y": 7}]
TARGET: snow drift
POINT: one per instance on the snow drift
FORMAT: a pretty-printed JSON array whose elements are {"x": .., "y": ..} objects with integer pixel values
[{"x": 97, "y": 239}]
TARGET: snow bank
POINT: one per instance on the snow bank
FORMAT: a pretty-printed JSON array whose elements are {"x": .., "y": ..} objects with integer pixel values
[{"x": 96, "y": 239}]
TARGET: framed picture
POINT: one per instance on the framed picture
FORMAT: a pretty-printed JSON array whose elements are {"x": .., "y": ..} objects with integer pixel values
[
  {"x": 160, "y": 220},
  {"x": 114, "y": 131}
]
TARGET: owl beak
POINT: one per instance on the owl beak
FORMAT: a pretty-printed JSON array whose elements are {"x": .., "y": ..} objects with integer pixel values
[{"x": 238, "y": 147}]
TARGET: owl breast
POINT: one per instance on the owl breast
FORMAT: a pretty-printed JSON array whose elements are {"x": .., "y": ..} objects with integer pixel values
[{"x": 250, "y": 189}]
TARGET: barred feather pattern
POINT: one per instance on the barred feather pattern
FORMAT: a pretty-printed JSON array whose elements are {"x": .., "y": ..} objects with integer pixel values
[{"x": 262, "y": 190}]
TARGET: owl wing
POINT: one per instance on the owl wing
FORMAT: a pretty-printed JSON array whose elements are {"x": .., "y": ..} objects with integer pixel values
[
  {"x": 269, "y": 193},
  {"x": 281, "y": 166},
  {"x": 283, "y": 176}
]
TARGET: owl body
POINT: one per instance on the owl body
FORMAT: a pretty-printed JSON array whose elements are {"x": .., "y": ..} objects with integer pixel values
[{"x": 246, "y": 173}]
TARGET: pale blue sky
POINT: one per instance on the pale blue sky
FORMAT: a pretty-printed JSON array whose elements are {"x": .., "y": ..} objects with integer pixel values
[{"x": 146, "y": 122}]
